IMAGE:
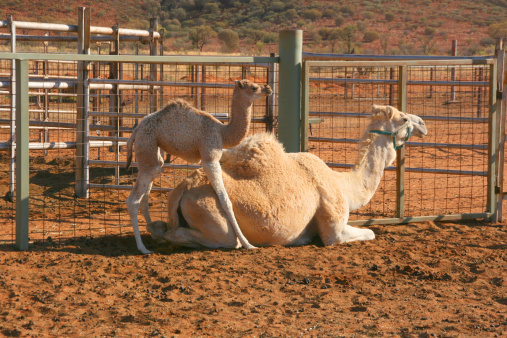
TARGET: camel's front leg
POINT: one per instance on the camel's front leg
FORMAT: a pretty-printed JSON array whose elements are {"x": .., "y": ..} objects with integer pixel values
[
  {"x": 214, "y": 173},
  {"x": 350, "y": 234}
]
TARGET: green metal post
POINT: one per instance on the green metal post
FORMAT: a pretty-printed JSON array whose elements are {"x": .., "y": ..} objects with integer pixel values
[
  {"x": 22, "y": 155},
  {"x": 491, "y": 205},
  {"x": 400, "y": 156},
  {"x": 305, "y": 107},
  {"x": 502, "y": 99},
  {"x": 83, "y": 100},
  {"x": 289, "y": 92}
]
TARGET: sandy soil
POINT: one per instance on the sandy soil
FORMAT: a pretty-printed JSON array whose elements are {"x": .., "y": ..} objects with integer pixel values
[{"x": 420, "y": 280}]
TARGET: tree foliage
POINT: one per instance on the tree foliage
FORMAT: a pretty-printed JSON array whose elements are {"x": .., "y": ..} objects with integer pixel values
[
  {"x": 201, "y": 35},
  {"x": 498, "y": 30},
  {"x": 370, "y": 36},
  {"x": 229, "y": 39}
]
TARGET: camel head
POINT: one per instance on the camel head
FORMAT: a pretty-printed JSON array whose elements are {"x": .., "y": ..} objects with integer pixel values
[
  {"x": 389, "y": 121},
  {"x": 252, "y": 90}
]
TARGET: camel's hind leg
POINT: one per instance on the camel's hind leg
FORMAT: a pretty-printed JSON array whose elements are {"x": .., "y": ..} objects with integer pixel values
[
  {"x": 145, "y": 205},
  {"x": 214, "y": 173},
  {"x": 201, "y": 223}
]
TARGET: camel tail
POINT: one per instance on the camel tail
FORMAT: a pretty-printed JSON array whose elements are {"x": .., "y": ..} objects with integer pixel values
[{"x": 130, "y": 143}]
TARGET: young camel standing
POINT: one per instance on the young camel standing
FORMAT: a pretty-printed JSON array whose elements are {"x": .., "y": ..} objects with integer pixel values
[
  {"x": 286, "y": 198},
  {"x": 184, "y": 131}
]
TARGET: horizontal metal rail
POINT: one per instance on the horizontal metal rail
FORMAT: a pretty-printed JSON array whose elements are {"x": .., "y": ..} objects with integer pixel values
[
  {"x": 467, "y": 61},
  {"x": 123, "y": 187},
  {"x": 74, "y": 28},
  {"x": 456, "y": 83},
  {"x": 161, "y": 83},
  {"x": 415, "y": 219},
  {"x": 43, "y": 84},
  {"x": 180, "y": 59},
  {"x": 408, "y": 144},
  {"x": 69, "y": 38},
  {"x": 69, "y": 125},
  {"x": 134, "y": 164},
  {"x": 417, "y": 170},
  {"x": 459, "y": 119},
  {"x": 42, "y": 111},
  {"x": 397, "y": 58},
  {"x": 108, "y": 138},
  {"x": 60, "y": 145}
]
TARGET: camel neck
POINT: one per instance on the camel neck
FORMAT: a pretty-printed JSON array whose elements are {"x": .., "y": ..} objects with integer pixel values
[
  {"x": 365, "y": 177},
  {"x": 239, "y": 124}
]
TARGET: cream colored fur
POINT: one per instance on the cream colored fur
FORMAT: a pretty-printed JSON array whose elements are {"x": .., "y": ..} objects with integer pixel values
[
  {"x": 184, "y": 131},
  {"x": 284, "y": 198}
]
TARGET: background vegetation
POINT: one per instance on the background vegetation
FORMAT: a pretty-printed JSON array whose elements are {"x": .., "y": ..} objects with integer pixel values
[{"x": 252, "y": 26}]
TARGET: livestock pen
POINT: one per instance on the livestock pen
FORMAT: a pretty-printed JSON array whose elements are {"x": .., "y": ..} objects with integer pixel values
[{"x": 66, "y": 118}]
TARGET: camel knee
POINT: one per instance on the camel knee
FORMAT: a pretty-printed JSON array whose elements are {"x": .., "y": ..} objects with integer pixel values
[{"x": 157, "y": 230}]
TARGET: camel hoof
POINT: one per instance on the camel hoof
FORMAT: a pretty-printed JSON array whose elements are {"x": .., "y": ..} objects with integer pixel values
[{"x": 250, "y": 246}]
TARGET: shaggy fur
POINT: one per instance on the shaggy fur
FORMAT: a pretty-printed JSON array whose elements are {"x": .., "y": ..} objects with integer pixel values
[{"x": 284, "y": 198}]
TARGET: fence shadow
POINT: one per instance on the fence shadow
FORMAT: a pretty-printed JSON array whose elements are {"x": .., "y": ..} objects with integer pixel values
[{"x": 113, "y": 246}]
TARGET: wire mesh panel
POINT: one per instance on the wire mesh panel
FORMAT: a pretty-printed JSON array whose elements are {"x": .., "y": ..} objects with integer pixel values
[
  {"x": 7, "y": 118},
  {"x": 446, "y": 173},
  {"x": 207, "y": 87},
  {"x": 105, "y": 107}
]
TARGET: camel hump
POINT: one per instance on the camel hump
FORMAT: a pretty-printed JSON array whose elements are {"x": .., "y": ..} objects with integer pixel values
[
  {"x": 256, "y": 153},
  {"x": 178, "y": 104}
]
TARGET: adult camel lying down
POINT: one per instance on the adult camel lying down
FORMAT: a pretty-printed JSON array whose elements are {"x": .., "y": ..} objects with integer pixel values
[{"x": 285, "y": 198}]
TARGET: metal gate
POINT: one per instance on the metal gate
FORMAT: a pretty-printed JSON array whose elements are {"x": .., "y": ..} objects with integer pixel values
[{"x": 450, "y": 175}]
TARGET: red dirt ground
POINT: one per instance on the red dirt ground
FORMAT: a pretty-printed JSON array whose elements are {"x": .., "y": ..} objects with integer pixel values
[{"x": 421, "y": 280}]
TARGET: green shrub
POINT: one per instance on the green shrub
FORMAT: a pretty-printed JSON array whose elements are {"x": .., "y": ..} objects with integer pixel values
[
  {"x": 498, "y": 30},
  {"x": 291, "y": 14},
  {"x": 339, "y": 20},
  {"x": 361, "y": 26},
  {"x": 277, "y": 6},
  {"x": 329, "y": 13},
  {"x": 368, "y": 15},
  {"x": 370, "y": 36},
  {"x": 430, "y": 31},
  {"x": 312, "y": 14},
  {"x": 211, "y": 7},
  {"x": 347, "y": 10},
  {"x": 230, "y": 40},
  {"x": 389, "y": 16}
]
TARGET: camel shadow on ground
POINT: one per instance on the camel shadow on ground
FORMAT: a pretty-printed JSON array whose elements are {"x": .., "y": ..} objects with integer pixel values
[{"x": 114, "y": 246}]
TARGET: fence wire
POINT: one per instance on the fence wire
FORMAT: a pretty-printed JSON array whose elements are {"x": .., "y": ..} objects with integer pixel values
[
  {"x": 116, "y": 103},
  {"x": 445, "y": 172}
]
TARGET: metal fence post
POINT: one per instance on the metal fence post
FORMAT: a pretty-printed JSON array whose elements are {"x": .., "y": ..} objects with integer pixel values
[
  {"x": 400, "y": 156},
  {"x": 153, "y": 66},
  {"x": 22, "y": 155},
  {"x": 289, "y": 89},
  {"x": 271, "y": 99},
  {"x": 491, "y": 204},
  {"x": 305, "y": 106},
  {"x": 12, "y": 160},
  {"x": 502, "y": 100},
  {"x": 83, "y": 101}
]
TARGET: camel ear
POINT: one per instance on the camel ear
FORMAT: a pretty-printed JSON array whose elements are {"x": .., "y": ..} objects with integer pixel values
[
  {"x": 239, "y": 84},
  {"x": 376, "y": 110},
  {"x": 389, "y": 112}
]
